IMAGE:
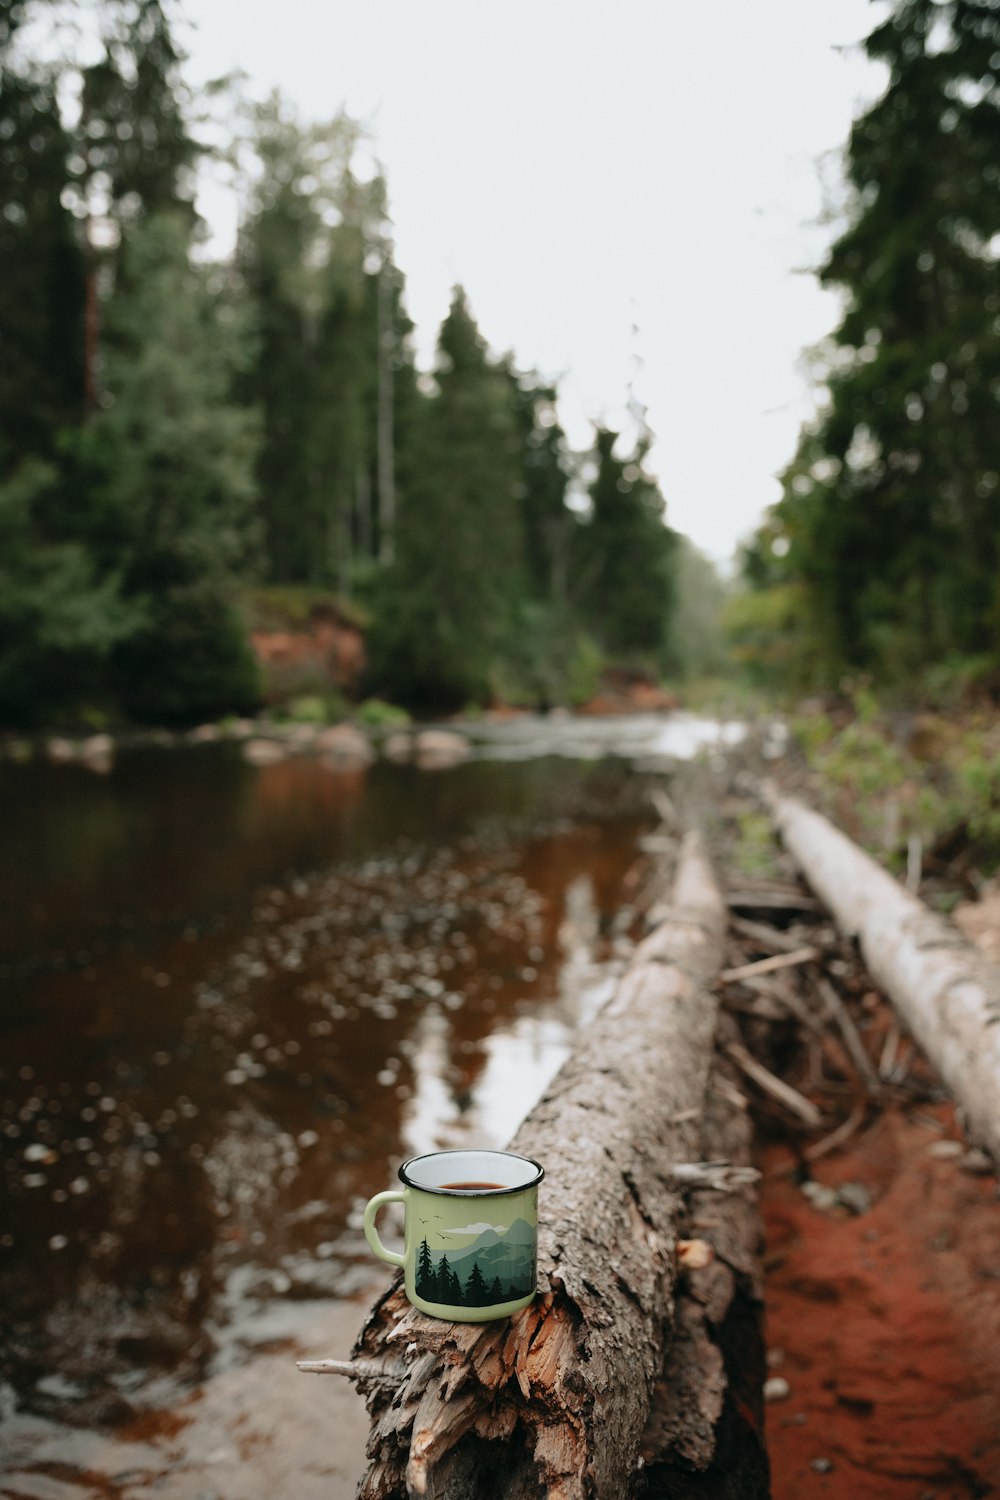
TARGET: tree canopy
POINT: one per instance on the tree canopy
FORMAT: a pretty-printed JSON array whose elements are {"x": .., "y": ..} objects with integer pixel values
[
  {"x": 889, "y": 528},
  {"x": 174, "y": 430}
]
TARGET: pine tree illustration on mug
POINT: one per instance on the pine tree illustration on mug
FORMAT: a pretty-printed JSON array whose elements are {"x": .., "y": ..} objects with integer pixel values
[{"x": 492, "y": 1270}]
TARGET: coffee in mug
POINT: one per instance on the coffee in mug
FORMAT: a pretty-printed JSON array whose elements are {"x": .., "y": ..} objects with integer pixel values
[{"x": 471, "y": 1233}]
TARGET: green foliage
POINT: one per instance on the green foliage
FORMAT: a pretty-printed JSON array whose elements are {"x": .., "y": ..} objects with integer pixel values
[
  {"x": 753, "y": 850},
  {"x": 375, "y": 713},
  {"x": 446, "y": 609},
  {"x": 61, "y": 614},
  {"x": 134, "y": 142},
  {"x": 291, "y": 606},
  {"x": 173, "y": 432},
  {"x": 623, "y": 572},
  {"x": 978, "y": 781},
  {"x": 697, "y": 645},
  {"x": 888, "y": 525},
  {"x": 42, "y": 285},
  {"x": 770, "y": 636},
  {"x": 936, "y": 782},
  {"x": 190, "y": 662},
  {"x": 326, "y": 706},
  {"x": 169, "y": 467},
  {"x": 332, "y": 361}
]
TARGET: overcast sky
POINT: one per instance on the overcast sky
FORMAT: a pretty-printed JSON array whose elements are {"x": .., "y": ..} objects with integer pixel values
[{"x": 627, "y": 189}]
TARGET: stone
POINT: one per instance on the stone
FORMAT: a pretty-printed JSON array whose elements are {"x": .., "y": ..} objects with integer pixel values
[
  {"x": 343, "y": 745},
  {"x": 263, "y": 752},
  {"x": 60, "y": 751},
  {"x": 398, "y": 747},
  {"x": 438, "y": 749},
  {"x": 97, "y": 752}
]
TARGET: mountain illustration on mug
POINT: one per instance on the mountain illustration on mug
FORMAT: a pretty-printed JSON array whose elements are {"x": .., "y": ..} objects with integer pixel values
[{"x": 477, "y": 1265}]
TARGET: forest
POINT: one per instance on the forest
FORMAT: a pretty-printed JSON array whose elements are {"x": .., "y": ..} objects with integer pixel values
[
  {"x": 181, "y": 437},
  {"x": 176, "y": 431}
]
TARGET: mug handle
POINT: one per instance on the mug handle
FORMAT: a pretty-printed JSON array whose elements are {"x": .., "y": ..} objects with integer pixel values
[{"x": 371, "y": 1233}]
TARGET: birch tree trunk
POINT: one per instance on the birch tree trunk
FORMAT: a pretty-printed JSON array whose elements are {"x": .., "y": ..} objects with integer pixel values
[
  {"x": 555, "y": 1401},
  {"x": 944, "y": 989}
]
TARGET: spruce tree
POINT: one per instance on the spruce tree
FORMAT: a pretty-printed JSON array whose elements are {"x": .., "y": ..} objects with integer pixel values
[
  {"x": 317, "y": 262},
  {"x": 446, "y": 1281},
  {"x": 168, "y": 463},
  {"x": 133, "y": 130},
  {"x": 476, "y": 1294},
  {"x": 448, "y": 606},
  {"x": 42, "y": 281},
  {"x": 426, "y": 1286},
  {"x": 624, "y": 563},
  {"x": 889, "y": 522}
]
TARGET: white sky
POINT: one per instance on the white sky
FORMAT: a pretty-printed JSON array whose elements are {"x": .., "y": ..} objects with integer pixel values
[{"x": 583, "y": 166}]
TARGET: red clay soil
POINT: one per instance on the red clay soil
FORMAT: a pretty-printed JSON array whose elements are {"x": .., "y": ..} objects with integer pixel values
[{"x": 885, "y": 1324}]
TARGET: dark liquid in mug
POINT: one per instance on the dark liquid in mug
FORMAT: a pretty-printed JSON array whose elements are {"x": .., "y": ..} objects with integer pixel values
[{"x": 479, "y": 1186}]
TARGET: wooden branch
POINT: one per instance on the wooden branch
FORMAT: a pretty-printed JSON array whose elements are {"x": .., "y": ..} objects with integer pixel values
[
  {"x": 856, "y": 1049},
  {"x": 554, "y": 1401},
  {"x": 776, "y": 1087},
  {"x": 767, "y": 939},
  {"x": 769, "y": 965},
  {"x": 770, "y": 900},
  {"x": 947, "y": 993}
]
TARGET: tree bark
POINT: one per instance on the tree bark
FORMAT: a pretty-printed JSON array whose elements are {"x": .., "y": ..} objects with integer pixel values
[
  {"x": 704, "y": 1438},
  {"x": 555, "y": 1401},
  {"x": 944, "y": 989}
]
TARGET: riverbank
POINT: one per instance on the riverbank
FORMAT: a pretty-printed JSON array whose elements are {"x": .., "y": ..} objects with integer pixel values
[{"x": 656, "y": 735}]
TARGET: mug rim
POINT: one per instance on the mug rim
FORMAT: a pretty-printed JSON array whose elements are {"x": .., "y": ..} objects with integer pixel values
[{"x": 498, "y": 1192}]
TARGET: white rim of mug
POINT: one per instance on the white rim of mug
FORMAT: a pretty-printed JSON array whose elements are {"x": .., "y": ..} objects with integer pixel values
[{"x": 446, "y": 1192}]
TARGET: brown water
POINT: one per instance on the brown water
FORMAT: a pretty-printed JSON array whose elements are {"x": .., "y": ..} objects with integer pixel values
[{"x": 234, "y": 999}]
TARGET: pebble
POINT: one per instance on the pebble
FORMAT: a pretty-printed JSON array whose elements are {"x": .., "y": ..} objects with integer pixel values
[
  {"x": 821, "y": 1465},
  {"x": 776, "y": 1388},
  {"x": 855, "y": 1196},
  {"x": 823, "y": 1198},
  {"x": 439, "y": 749},
  {"x": 977, "y": 1162},
  {"x": 344, "y": 746},
  {"x": 945, "y": 1150},
  {"x": 263, "y": 752}
]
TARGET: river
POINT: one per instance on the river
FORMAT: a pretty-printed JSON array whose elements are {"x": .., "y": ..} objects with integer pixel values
[{"x": 235, "y": 998}]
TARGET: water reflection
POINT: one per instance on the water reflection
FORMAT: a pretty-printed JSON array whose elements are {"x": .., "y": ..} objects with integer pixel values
[{"x": 231, "y": 1024}]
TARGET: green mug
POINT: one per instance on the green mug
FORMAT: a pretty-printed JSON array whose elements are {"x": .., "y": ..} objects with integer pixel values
[{"x": 471, "y": 1233}]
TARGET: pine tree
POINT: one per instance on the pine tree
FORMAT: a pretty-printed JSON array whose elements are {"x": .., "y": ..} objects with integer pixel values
[
  {"x": 448, "y": 606},
  {"x": 133, "y": 132},
  {"x": 168, "y": 463},
  {"x": 317, "y": 262},
  {"x": 42, "y": 282},
  {"x": 624, "y": 563},
  {"x": 889, "y": 518},
  {"x": 547, "y": 521},
  {"x": 496, "y": 1293},
  {"x": 426, "y": 1285},
  {"x": 444, "y": 1279},
  {"x": 476, "y": 1294}
]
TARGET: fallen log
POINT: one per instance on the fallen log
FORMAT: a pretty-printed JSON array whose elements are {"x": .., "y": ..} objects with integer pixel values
[
  {"x": 555, "y": 1401},
  {"x": 704, "y": 1435},
  {"x": 944, "y": 990}
]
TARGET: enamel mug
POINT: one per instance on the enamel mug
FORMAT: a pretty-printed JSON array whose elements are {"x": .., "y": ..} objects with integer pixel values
[{"x": 471, "y": 1235}]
